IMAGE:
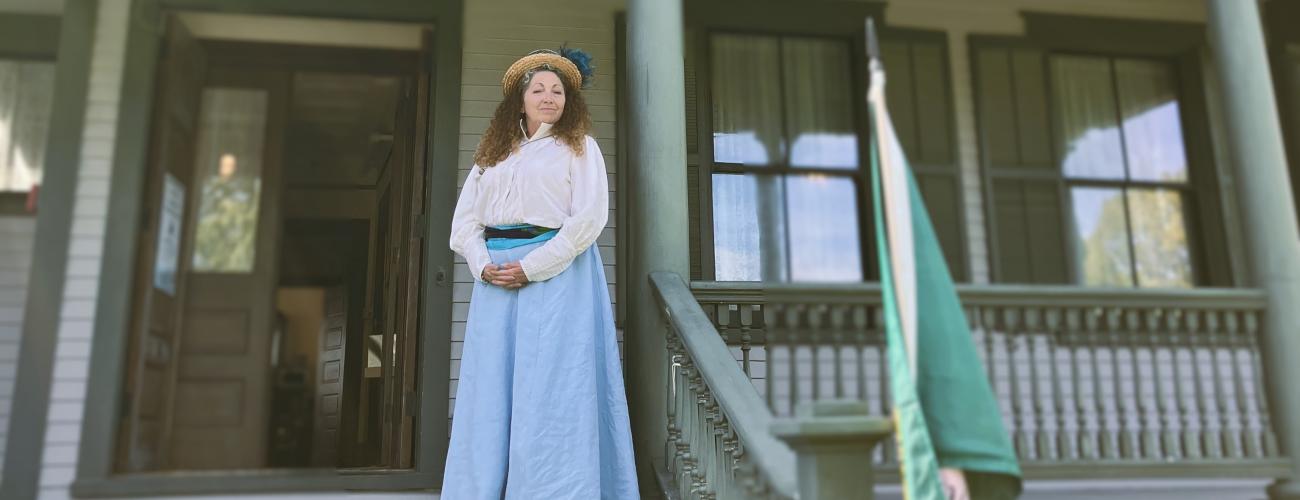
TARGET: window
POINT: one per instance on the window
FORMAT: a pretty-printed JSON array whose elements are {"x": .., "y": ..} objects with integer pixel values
[
  {"x": 26, "y": 96},
  {"x": 786, "y": 170},
  {"x": 1097, "y": 157},
  {"x": 1119, "y": 140}
]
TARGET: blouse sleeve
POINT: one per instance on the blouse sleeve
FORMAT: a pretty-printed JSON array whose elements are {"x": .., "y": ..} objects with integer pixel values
[
  {"x": 589, "y": 209},
  {"x": 467, "y": 229}
]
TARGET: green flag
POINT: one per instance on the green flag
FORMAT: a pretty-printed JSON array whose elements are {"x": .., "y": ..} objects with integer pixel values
[{"x": 945, "y": 413}]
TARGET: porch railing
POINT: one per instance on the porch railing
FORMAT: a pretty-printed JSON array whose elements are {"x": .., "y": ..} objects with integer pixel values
[
  {"x": 723, "y": 441},
  {"x": 1091, "y": 382}
]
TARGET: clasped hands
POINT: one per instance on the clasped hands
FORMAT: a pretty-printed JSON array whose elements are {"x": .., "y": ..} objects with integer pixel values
[{"x": 509, "y": 276}]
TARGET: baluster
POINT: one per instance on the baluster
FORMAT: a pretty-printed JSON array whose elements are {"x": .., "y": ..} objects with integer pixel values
[
  {"x": 815, "y": 325},
  {"x": 1146, "y": 438},
  {"x": 1241, "y": 342},
  {"x": 1065, "y": 439},
  {"x": 888, "y": 451},
  {"x": 858, "y": 315},
  {"x": 987, "y": 323},
  {"x": 1106, "y": 443},
  {"x": 1125, "y": 431},
  {"x": 1082, "y": 432},
  {"x": 1266, "y": 436},
  {"x": 1232, "y": 325},
  {"x": 1031, "y": 333},
  {"x": 674, "y": 366},
  {"x": 771, "y": 320},
  {"x": 746, "y": 314},
  {"x": 1174, "y": 446},
  {"x": 1151, "y": 320},
  {"x": 1226, "y": 443},
  {"x": 1195, "y": 440},
  {"x": 1010, "y": 327},
  {"x": 837, "y": 322},
  {"x": 792, "y": 327}
]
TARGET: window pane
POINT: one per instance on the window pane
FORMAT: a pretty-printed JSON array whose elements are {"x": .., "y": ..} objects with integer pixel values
[
  {"x": 1087, "y": 136},
  {"x": 823, "y": 221},
  {"x": 1153, "y": 134},
  {"x": 26, "y": 95},
  {"x": 746, "y": 100},
  {"x": 736, "y": 249},
  {"x": 1160, "y": 238},
  {"x": 819, "y": 103},
  {"x": 232, "y": 126},
  {"x": 1102, "y": 237}
]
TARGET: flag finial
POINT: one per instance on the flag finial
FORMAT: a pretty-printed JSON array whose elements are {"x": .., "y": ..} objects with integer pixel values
[{"x": 873, "y": 45}]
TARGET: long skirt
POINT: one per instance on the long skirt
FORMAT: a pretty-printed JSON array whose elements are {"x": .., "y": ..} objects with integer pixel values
[{"x": 540, "y": 410}]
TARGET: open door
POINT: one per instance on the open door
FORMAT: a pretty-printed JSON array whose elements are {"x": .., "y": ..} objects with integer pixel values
[
  {"x": 395, "y": 328},
  {"x": 161, "y": 270},
  {"x": 224, "y": 376},
  {"x": 329, "y": 386}
]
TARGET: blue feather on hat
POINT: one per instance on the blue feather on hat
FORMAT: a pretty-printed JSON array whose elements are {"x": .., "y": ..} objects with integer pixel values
[{"x": 583, "y": 61}]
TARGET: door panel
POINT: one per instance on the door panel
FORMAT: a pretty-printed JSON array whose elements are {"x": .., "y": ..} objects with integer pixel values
[
  {"x": 161, "y": 270},
  {"x": 223, "y": 382},
  {"x": 329, "y": 387}
]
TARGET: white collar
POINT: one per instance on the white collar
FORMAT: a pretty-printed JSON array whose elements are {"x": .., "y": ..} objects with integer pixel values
[{"x": 543, "y": 131}]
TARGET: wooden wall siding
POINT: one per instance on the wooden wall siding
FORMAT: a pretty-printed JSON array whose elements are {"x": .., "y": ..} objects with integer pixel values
[
  {"x": 72, "y": 354},
  {"x": 497, "y": 32},
  {"x": 16, "y": 239}
]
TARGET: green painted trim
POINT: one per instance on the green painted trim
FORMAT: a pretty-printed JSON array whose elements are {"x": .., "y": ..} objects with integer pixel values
[
  {"x": 29, "y": 36},
  {"x": 387, "y": 10},
  {"x": 436, "y": 309},
  {"x": 112, "y": 311},
  {"x": 13, "y": 203},
  {"x": 1114, "y": 36},
  {"x": 31, "y": 401},
  {"x": 822, "y": 18},
  {"x": 95, "y": 466}
]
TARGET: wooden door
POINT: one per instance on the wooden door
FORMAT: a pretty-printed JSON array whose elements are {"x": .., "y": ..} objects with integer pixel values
[
  {"x": 161, "y": 269},
  {"x": 330, "y": 375},
  {"x": 223, "y": 382}
]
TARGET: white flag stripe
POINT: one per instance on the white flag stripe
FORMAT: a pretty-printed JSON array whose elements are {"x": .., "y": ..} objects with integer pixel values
[{"x": 898, "y": 213}]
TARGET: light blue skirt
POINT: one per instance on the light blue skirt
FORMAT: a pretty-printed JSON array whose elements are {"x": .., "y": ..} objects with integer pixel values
[{"x": 541, "y": 411}]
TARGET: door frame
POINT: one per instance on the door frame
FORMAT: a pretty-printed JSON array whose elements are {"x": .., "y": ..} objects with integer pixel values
[{"x": 103, "y": 401}]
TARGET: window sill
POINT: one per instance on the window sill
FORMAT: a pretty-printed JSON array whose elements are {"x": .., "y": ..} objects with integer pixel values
[
  {"x": 251, "y": 481},
  {"x": 14, "y": 204}
]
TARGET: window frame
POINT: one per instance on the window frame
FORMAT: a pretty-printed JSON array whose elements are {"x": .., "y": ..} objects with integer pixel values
[
  {"x": 1179, "y": 43},
  {"x": 843, "y": 22},
  {"x": 1186, "y": 188},
  {"x": 95, "y": 475},
  {"x": 782, "y": 168}
]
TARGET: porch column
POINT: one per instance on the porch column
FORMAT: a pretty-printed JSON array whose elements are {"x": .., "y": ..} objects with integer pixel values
[
  {"x": 1255, "y": 134},
  {"x": 658, "y": 218}
]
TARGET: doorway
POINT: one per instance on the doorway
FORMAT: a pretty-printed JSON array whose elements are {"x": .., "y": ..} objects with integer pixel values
[{"x": 275, "y": 308}]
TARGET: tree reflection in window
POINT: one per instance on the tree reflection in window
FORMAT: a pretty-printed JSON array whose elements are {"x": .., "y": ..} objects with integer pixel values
[{"x": 231, "y": 132}]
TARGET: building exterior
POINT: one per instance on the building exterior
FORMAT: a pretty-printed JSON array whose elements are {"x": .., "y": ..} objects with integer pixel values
[{"x": 233, "y": 279}]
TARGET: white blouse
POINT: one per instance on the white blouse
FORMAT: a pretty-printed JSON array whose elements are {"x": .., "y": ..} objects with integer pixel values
[{"x": 544, "y": 184}]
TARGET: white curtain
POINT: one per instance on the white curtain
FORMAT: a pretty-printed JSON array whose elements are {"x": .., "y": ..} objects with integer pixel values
[{"x": 26, "y": 95}]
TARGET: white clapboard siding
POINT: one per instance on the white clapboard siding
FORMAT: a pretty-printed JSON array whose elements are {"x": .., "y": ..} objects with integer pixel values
[
  {"x": 72, "y": 352},
  {"x": 497, "y": 32},
  {"x": 16, "y": 235}
]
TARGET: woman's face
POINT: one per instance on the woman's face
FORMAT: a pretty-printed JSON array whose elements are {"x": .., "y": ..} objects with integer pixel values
[{"x": 544, "y": 98}]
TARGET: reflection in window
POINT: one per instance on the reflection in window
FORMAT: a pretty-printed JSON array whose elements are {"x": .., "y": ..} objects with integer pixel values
[
  {"x": 232, "y": 127},
  {"x": 26, "y": 95},
  {"x": 783, "y": 108},
  {"x": 824, "y": 242},
  {"x": 1119, "y": 124}
]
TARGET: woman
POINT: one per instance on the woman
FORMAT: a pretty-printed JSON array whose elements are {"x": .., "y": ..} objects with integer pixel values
[{"x": 540, "y": 410}]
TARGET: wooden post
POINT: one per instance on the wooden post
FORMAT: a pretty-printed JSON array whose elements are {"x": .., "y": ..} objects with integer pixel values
[{"x": 833, "y": 442}]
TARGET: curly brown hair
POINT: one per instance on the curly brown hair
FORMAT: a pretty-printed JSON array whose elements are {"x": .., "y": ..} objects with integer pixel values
[{"x": 503, "y": 135}]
